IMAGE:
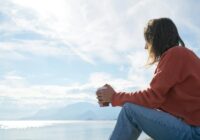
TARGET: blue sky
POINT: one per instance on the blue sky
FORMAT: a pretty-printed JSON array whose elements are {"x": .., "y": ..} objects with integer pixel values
[{"x": 54, "y": 53}]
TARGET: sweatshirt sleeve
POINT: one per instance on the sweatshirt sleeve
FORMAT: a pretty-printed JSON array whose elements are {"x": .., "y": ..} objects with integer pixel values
[{"x": 167, "y": 74}]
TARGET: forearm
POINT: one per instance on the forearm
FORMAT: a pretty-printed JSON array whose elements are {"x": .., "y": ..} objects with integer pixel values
[{"x": 146, "y": 98}]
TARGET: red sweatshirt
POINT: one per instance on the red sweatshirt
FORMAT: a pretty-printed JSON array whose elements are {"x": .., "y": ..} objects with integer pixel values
[{"x": 175, "y": 87}]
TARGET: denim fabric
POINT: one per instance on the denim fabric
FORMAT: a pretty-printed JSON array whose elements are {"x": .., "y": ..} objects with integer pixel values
[{"x": 159, "y": 125}]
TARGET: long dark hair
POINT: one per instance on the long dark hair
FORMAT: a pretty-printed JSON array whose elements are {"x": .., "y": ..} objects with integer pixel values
[{"x": 161, "y": 34}]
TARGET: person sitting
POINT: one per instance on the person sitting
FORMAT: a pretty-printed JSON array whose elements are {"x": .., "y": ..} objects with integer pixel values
[{"x": 169, "y": 109}]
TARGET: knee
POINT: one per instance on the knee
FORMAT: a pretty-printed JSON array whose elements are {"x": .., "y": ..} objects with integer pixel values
[
  {"x": 131, "y": 107},
  {"x": 127, "y": 105}
]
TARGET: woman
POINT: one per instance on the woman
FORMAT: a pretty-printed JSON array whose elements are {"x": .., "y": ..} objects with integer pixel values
[{"x": 170, "y": 108}]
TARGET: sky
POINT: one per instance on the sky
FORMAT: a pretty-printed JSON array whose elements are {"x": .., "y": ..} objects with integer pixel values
[{"x": 58, "y": 52}]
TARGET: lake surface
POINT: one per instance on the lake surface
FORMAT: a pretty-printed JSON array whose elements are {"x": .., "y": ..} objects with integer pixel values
[{"x": 57, "y": 130}]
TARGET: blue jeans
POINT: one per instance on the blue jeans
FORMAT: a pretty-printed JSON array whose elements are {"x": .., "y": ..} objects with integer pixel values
[{"x": 159, "y": 125}]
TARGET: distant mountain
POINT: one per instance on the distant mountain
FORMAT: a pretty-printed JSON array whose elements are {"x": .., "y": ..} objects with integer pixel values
[{"x": 77, "y": 111}]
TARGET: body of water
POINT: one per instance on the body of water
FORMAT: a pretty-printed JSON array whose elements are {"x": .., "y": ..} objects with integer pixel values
[{"x": 57, "y": 130}]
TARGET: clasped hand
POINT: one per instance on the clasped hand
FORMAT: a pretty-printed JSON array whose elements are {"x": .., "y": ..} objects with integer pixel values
[{"x": 104, "y": 94}]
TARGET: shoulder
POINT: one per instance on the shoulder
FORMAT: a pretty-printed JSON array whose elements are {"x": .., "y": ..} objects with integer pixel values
[
  {"x": 178, "y": 52},
  {"x": 174, "y": 56}
]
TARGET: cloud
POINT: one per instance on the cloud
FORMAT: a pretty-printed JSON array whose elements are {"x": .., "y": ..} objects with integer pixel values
[
  {"x": 20, "y": 21},
  {"x": 28, "y": 48},
  {"x": 17, "y": 88},
  {"x": 98, "y": 33},
  {"x": 92, "y": 30},
  {"x": 109, "y": 31},
  {"x": 23, "y": 93}
]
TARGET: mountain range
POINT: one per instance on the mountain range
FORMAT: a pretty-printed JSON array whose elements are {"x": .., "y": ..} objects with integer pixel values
[{"x": 77, "y": 111}]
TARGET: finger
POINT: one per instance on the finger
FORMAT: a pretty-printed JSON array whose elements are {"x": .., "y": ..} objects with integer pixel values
[
  {"x": 99, "y": 95},
  {"x": 103, "y": 87},
  {"x": 104, "y": 94},
  {"x": 101, "y": 103},
  {"x": 99, "y": 98},
  {"x": 98, "y": 92}
]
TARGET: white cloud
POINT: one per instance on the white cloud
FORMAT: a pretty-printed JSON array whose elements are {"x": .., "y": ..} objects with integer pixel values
[
  {"x": 109, "y": 31},
  {"x": 23, "y": 48},
  {"x": 18, "y": 89},
  {"x": 94, "y": 30},
  {"x": 98, "y": 79}
]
